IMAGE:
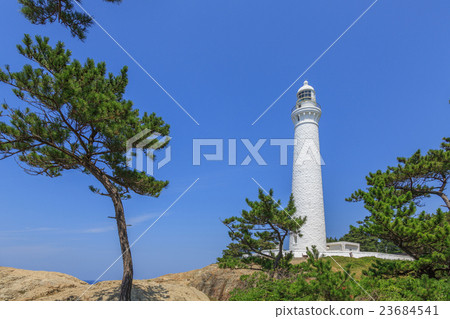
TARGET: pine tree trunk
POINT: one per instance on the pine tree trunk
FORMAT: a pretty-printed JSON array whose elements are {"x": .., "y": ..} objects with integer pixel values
[
  {"x": 446, "y": 200},
  {"x": 278, "y": 258},
  {"x": 127, "y": 279},
  {"x": 276, "y": 263}
]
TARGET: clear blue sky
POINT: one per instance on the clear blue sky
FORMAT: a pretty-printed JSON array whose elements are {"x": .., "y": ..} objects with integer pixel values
[{"x": 384, "y": 91}]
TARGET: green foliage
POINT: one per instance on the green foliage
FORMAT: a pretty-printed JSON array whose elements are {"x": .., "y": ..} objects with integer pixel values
[
  {"x": 316, "y": 279},
  {"x": 77, "y": 120},
  {"x": 332, "y": 239},
  {"x": 369, "y": 242},
  {"x": 388, "y": 268},
  {"x": 63, "y": 11},
  {"x": 407, "y": 288},
  {"x": 258, "y": 235},
  {"x": 311, "y": 280},
  {"x": 393, "y": 210}
]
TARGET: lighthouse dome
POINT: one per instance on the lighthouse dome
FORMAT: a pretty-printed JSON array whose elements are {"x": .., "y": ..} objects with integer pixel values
[
  {"x": 305, "y": 87},
  {"x": 306, "y": 92}
]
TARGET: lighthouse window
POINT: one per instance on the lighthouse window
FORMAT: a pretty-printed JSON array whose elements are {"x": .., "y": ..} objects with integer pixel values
[{"x": 305, "y": 95}]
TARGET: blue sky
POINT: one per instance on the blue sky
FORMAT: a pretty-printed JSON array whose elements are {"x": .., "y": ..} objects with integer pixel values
[{"x": 384, "y": 91}]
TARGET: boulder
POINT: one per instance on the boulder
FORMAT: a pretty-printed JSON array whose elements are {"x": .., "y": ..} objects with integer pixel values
[{"x": 215, "y": 282}]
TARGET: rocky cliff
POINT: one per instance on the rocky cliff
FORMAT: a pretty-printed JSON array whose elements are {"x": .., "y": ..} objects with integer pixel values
[
  {"x": 18, "y": 284},
  {"x": 209, "y": 283}
]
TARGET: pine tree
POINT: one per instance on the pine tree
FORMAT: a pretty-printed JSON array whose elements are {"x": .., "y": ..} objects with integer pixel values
[
  {"x": 391, "y": 200},
  {"x": 62, "y": 11},
  {"x": 332, "y": 239},
  {"x": 77, "y": 119},
  {"x": 259, "y": 234},
  {"x": 421, "y": 175}
]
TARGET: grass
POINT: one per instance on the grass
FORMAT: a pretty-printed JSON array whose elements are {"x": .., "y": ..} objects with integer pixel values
[{"x": 358, "y": 264}]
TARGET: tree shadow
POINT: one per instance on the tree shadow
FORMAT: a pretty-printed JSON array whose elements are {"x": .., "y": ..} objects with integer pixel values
[{"x": 139, "y": 292}]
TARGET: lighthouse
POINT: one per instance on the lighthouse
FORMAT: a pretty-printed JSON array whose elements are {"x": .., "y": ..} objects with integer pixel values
[{"x": 307, "y": 173}]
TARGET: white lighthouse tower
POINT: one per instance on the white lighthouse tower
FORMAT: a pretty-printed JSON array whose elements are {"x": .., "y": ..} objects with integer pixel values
[{"x": 307, "y": 173}]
